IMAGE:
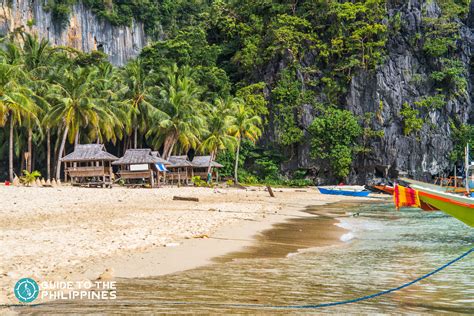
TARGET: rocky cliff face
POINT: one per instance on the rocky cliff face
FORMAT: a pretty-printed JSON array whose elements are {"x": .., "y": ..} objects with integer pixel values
[
  {"x": 403, "y": 77},
  {"x": 83, "y": 31},
  {"x": 398, "y": 81}
]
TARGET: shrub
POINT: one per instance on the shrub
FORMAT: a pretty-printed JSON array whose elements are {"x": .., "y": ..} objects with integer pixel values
[
  {"x": 411, "y": 121},
  {"x": 434, "y": 102},
  {"x": 198, "y": 182},
  {"x": 29, "y": 177}
]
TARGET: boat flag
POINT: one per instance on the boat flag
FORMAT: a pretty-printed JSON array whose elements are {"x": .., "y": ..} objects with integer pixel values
[{"x": 404, "y": 197}]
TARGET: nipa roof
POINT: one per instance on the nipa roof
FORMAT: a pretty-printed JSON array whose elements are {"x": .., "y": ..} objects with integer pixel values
[
  {"x": 89, "y": 152},
  {"x": 139, "y": 156},
  {"x": 179, "y": 161},
  {"x": 203, "y": 162}
]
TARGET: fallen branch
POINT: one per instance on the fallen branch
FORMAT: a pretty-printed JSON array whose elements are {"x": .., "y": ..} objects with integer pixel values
[{"x": 185, "y": 198}]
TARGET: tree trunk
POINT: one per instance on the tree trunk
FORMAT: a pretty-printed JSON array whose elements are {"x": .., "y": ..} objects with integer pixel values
[
  {"x": 48, "y": 153},
  {"x": 168, "y": 145},
  {"x": 209, "y": 168},
  {"x": 60, "y": 154},
  {"x": 236, "y": 177},
  {"x": 76, "y": 139},
  {"x": 171, "y": 149},
  {"x": 136, "y": 138},
  {"x": 10, "y": 154},
  {"x": 30, "y": 150}
]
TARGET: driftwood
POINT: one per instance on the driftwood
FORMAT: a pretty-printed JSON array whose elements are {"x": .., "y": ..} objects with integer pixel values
[
  {"x": 270, "y": 191},
  {"x": 185, "y": 198}
]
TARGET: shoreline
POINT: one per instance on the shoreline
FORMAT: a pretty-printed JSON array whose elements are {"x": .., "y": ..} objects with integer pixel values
[{"x": 228, "y": 214}]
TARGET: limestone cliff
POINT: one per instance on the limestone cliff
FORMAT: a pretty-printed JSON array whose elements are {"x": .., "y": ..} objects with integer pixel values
[
  {"x": 403, "y": 77},
  {"x": 83, "y": 31}
]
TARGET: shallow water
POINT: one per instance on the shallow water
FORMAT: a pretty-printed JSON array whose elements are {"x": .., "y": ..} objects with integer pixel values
[{"x": 382, "y": 249}]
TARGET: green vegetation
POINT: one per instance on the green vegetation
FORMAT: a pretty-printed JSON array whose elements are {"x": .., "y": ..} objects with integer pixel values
[
  {"x": 450, "y": 77},
  {"x": 333, "y": 136},
  {"x": 462, "y": 134},
  {"x": 198, "y": 182},
  {"x": 53, "y": 97},
  {"x": 435, "y": 102},
  {"x": 412, "y": 123},
  {"x": 29, "y": 178},
  {"x": 218, "y": 74}
]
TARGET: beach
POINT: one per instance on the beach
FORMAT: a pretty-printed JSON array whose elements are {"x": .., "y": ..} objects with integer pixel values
[{"x": 70, "y": 233}]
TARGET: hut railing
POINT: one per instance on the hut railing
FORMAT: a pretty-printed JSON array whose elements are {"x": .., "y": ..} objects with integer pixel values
[
  {"x": 127, "y": 174},
  {"x": 87, "y": 171}
]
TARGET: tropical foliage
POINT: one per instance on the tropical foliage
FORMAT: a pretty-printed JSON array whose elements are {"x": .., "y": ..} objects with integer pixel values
[{"x": 218, "y": 75}]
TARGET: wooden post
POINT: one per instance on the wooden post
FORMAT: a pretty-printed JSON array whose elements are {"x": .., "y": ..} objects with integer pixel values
[
  {"x": 152, "y": 178},
  {"x": 110, "y": 172},
  {"x": 270, "y": 191},
  {"x": 65, "y": 172},
  {"x": 103, "y": 172}
]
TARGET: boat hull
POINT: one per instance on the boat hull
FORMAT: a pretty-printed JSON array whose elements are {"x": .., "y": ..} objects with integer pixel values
[
  {"x": 385, "y": 189},
  {"x": 343, "y": 192},
  {"x": 463, "y": 211}
]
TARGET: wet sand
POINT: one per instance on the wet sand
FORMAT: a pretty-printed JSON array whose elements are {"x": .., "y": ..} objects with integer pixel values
[{"x": 76, "y": 233}]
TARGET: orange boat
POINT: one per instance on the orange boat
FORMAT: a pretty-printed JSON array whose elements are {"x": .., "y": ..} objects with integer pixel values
[{"x": 385, "y": 188}]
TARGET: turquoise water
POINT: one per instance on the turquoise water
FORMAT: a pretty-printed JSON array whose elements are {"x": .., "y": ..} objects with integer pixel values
[{"x": 382, "y": 248}]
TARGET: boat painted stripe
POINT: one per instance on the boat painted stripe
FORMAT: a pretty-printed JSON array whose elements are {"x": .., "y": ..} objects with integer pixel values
[{"x": 444, "y": 199}]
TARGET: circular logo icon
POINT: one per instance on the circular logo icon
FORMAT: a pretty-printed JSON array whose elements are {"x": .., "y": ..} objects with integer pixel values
[{"x": 26, "y": 290}]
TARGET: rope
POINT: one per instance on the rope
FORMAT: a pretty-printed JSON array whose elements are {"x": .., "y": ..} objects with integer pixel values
[
  {"x": 321, "y": 305},
  {"x": 309, "y": 306}
]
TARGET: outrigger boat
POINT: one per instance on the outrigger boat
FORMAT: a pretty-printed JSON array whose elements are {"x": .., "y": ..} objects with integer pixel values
[
  {"x": 431, "y": 197},
  {"x": 345, "y": 190},
  {"x": 384, "y": 188}
]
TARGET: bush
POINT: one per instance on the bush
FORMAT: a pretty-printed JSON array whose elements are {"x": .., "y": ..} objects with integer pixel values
[
  {"x": 411, "y": 121},
  {"x": 198, "y": 182},
  {"x": 435, "y": 102},
  {"x": 29, "y": 177}
]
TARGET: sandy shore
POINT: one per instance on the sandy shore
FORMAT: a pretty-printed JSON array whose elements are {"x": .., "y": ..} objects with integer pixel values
[{"x": 74, "y": 234}]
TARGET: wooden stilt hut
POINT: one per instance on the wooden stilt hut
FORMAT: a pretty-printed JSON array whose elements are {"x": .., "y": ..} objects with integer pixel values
[
  {"x": 139, "y": 164},
  {"x": 180, "y": 169},
  {"x": 89, "y": 165},
  {"x": 201, "y": 165}
]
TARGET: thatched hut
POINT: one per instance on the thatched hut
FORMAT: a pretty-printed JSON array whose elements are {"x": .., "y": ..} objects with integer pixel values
[
  {"x": 139, "y": 164},
  {"x": 180, "y": 169},
  {"x": 201, "y": 166},
  {"x": 89, "y": 164}
]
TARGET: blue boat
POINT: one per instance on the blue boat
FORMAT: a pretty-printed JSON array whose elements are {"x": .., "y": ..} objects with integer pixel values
[{"x": 341, "y": 191}]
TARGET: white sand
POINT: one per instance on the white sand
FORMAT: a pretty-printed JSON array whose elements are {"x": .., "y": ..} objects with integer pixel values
[{"x": 69, "y": 233}]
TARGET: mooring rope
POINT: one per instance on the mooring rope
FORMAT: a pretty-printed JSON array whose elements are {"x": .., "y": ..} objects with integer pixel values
[
  {"x": 321, "y": 305},
  {"x": 308, "y": 306}
]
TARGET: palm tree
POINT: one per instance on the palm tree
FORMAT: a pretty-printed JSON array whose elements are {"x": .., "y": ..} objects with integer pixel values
[
  {"x": 219, "y": 136},
  {"x": 245, "y": 125},
  {"x": 77, "y": 106},
  {"x": 111, "y": 105},
  {"x": 15, "y": 102},
  {"x": 179, "y": 118},
  {"x": 136, "y": 79}
]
